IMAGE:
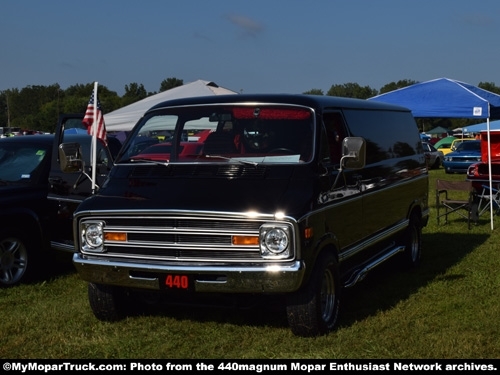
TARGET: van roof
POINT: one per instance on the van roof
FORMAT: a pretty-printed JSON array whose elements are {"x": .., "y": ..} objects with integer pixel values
[{"x": 316, "y": 101}]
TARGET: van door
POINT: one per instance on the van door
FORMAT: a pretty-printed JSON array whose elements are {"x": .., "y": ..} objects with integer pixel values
[
  {"x": 394, "y": 158},
  {"x": 344, "y": 200},
  {"x": 68, "y": 190}
]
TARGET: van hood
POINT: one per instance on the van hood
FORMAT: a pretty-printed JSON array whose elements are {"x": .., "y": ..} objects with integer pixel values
[{"x": 226, "y": 188}]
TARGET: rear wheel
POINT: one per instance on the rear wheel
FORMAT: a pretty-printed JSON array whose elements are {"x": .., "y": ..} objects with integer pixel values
[
  {"x": 314, "y": 310},
  {"x": 107, "y": 301},
  {"x": 412, "y": 239}
]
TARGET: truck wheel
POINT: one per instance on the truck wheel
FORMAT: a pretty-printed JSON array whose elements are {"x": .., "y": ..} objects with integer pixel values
[
  {"x": 16, "y": 261},
  {"x": 314, "y": 310},
  {"x": 412, "y": 239},
  {"x": 106, "y": 301}
]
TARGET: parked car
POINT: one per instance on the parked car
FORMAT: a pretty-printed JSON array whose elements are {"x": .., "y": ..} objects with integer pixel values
[
  {"x": 465, "y": 154},
  {"x": 444, "y": 144},
  {"x": 479, "y": 173},
  {"x": 293, "y": 196},
  {"x": 434, "y": 157},
  {"x": 37, "y": 199},
  {"x": 458, "y": 141},
  {"x": 425, "y": 137}
]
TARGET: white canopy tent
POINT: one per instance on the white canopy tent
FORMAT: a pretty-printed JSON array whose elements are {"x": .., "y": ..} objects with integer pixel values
[{"x": 124, "y": 119}]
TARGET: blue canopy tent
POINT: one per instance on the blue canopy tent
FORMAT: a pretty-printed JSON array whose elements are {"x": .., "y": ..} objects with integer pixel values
[
  {"x": 447, "y": 98},
  {"x": 494, "y": 125}
]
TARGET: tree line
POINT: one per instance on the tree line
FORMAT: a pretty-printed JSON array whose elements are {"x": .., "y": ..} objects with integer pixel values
[{"x": 38, "y": 107}]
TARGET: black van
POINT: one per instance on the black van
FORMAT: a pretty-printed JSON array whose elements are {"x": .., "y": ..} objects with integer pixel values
[{"x": 296, "y": 196}]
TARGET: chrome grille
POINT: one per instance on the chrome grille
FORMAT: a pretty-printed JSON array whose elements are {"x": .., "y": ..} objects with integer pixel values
[{"x": 157, "y": 236}]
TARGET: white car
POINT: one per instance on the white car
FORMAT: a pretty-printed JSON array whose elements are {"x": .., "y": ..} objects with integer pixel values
[{"x": 433, "y": 155}]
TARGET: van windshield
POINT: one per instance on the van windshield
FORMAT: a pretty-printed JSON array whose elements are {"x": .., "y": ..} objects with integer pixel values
[{"x": 259, "y": 134}]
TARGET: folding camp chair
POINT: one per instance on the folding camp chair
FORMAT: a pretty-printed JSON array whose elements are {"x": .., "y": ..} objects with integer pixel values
[
  {"x": 455, "y": 197},
  {"x": 486, "y": 199}
]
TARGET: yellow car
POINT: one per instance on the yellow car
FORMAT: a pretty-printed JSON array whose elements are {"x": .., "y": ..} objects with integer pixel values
[
  {"x": 449, "y": 144},
  {"x": 444, "y": 144}
]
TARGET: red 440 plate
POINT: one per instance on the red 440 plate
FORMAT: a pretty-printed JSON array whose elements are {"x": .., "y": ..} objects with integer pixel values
[{"x": 177, "y": 282}]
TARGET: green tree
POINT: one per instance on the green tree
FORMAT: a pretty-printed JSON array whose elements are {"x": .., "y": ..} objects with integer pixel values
[
  {"x": 133, "y": 93},
  {"x": 314, "y": 92},
  {"x": 352, "y": 90},
  {"x": 5, "y": 106},
  {"x": 489, "y": 86},
  {"x": 396, "y": 85},
  {"x": 25, "y": 105},
  {"x": 170, "y": 83},
  {"x": 77, "y": 98}
]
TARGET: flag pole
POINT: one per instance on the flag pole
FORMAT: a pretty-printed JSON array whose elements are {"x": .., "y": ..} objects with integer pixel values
[{"x": 94, "y": 140}]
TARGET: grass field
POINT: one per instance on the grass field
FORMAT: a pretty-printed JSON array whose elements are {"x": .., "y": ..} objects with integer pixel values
[{"x": 447, "y": 308}]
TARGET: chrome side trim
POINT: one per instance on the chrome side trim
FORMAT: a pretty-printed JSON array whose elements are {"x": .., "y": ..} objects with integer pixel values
[
  {"x": 373, "y": 240},
  {"x": 358, "y": 276},
  {"x": 59, "y": 199}
]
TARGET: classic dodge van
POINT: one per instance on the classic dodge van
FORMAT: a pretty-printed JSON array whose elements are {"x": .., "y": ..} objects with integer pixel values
[{"x": 296, "y": 196}]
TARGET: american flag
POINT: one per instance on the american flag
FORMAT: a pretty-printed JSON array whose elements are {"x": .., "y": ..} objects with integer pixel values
[{"x": 88, "y": 120}]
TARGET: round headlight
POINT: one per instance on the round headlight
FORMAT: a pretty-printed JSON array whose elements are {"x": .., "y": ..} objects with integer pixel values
[
  {"x": 93, "y": 235},
  {"x": 276, "y": 240}
]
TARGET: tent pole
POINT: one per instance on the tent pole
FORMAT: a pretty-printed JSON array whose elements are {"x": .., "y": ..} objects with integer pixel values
[{"x": 489, "y": 170}]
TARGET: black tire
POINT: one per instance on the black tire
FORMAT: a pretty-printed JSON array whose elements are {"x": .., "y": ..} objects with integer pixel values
[
  {"x": 17, "y": 258},
  {"x": 437, "y": 163},
  {"x": 314, "y": 310},
  {"x": 107, "y": 302},
  {"x": 412, "y": 240}
]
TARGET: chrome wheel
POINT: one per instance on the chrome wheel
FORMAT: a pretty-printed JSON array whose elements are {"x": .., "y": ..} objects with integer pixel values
[
  {"x": 412, "y": 239},
  {"x": 414, "y": 244},
  {"x": 314, "y": 310},
  {"x": 13, "y": 260},
  {"x": 327, "y": 295}
]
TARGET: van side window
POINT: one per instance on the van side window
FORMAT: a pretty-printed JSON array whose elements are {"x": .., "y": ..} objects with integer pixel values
[
  {"x": 388, "y": 134},
  {"x": 335, "y": 131}
]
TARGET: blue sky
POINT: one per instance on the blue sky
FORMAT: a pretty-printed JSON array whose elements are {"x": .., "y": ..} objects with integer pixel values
[{"x": 250, "y": 46}]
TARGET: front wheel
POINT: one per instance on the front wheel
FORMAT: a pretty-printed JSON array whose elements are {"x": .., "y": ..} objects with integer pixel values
[
  {"x": 314, "y": 310},
  {"x": 107, "y": 302},
  {"x": 16, "y": 258}
]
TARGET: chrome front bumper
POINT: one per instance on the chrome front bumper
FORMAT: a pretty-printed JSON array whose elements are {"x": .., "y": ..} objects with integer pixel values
[{"x": 254, "y": 278}]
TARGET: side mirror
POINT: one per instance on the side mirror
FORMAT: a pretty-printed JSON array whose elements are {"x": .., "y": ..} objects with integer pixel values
[
  {"x": 353, "y": 153},
  {"x": 70, "y": 157}
]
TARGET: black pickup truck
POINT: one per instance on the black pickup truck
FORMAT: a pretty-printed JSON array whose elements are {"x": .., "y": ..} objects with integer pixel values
[{"x": 37, "y": 199}]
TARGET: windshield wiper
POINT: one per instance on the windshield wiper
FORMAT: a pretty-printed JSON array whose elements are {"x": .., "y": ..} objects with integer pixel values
[{"x": 164, "y": 163}]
